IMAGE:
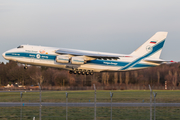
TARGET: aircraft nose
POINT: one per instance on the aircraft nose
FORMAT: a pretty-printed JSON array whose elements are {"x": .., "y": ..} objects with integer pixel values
[{"x": 3, "y": 55}]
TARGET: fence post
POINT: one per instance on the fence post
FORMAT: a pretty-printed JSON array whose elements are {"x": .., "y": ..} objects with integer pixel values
[
  {"x": 155, "y": 94},
  {"x": 66, "y": 106},
  {"x": 39, "y": 101},
  {"x": 150, "y": 102},
  {"x": 21, "y": 94},
  {"x": 94, "y": 102},
  {"x": 111, "y": 95}
]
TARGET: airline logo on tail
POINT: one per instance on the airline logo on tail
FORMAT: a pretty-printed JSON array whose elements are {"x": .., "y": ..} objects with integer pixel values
[{"x": 149, "y": 48}]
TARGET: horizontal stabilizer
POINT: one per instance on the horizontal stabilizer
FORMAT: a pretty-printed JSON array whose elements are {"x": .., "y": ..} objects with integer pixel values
[{"x": 160, "y": 61}]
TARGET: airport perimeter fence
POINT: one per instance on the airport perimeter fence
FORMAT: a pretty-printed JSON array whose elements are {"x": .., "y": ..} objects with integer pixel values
[
  {"x": 89, "y": 105},
  {"x": 118, "y": 87}
]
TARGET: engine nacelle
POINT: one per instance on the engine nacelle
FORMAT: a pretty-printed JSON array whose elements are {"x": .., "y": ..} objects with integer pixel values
[
  {"x": 77, "y": 60},
  {"x": 62, "y": 59}
]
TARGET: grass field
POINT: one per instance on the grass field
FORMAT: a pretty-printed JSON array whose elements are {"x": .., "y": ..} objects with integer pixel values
[
  {"x": 164, "y": 96},
  {"x": 87, "y": 113}
]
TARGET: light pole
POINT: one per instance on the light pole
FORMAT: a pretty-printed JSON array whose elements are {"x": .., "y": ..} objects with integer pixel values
[
  {"x": 21, "y": 94},
  {"x": 66, "y": 106},
  {"x": 155, "y": 94},
  {"x": 94, "y": 101},
  {"x": 111, "y": 95},
  {"x": 39, "y": 101}
]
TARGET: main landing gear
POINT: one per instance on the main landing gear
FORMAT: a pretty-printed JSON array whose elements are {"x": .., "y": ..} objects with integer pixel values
[{"x": 80, "y": 71}]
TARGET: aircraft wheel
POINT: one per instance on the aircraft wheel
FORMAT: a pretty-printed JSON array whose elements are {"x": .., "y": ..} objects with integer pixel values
[
  {"x": 70, "y": 71},
  {"x": 75, "y": 71},
  {"x": 83, "y": 72},
  {"x": 25, "y": 67},
  {"x": 91, "y": 73},
  {"x": 87, "y": 73},
  {"x": 79, "y": 72}
]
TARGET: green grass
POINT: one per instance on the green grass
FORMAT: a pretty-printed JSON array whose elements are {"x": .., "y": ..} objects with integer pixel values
[
  {"x": 164, "y": 96},
  {"x": 87, "y": 113}
]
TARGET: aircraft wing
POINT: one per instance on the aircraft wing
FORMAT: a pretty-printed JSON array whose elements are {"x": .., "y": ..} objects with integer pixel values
[{"x": 86, "y": 53}]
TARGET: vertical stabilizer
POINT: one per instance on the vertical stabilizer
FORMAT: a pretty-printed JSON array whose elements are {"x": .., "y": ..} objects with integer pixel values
[{"x": 152, "y": 47}]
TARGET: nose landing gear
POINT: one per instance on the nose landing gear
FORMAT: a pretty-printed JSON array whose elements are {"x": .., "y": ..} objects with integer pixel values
[{"x": 25, "y": 67}]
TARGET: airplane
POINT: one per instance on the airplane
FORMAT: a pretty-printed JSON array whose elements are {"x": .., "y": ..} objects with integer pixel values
[{"x": 87, "y": 62}]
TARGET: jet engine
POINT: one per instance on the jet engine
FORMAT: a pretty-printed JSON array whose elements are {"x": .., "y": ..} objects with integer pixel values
[
  {"x": 62, "y": 59},
  {"x": 77, "y": 60}
]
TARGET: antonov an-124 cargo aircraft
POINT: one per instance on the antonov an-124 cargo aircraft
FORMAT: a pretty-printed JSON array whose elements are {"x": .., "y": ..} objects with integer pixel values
[{"x": 88, "y": 62}]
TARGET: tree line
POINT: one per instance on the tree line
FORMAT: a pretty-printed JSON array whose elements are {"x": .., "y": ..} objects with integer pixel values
[{"x": 12, "y": 72}]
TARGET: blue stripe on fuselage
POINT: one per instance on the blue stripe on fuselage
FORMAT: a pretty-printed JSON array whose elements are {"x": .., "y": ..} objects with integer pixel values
[
  {"x": 142, "y": 65},
  {"x": 117, "y": 63},
  {"x": 31, "y": 55},
  {"x": 108, "y": 62}
]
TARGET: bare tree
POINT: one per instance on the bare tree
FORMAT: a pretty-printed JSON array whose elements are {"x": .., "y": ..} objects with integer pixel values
[
  {"x": 174, "y": 81},
  {"x": 38, "y": 77},
  {"x": 158, "y": 77},
  {"x": 127, "y": 78},
  {"x": 120, "y": 77},
  {"x": 115, "y": 78}
]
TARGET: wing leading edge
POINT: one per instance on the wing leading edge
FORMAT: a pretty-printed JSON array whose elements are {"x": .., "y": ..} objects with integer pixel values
[{"x": 84, "y": 53}]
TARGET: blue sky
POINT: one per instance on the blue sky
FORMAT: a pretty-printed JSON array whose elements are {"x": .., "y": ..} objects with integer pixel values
[{"x": 117, "y": 26}]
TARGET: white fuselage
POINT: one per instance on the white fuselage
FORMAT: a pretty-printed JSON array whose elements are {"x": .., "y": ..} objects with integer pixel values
[{"x": 46, "y": 56}]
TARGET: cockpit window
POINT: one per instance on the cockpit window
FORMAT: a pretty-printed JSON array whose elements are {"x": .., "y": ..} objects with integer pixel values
[{"x": 20, "y": 46}]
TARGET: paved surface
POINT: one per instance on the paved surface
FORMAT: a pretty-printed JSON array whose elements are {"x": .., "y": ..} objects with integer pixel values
[{"x": 12, "y": 104}]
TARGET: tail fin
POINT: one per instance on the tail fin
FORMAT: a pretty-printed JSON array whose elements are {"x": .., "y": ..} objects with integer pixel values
[{"x": 152, "y": 47}]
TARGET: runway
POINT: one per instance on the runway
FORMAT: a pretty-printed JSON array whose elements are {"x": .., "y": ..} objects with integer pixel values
[{"x": 90, "y": 104}]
